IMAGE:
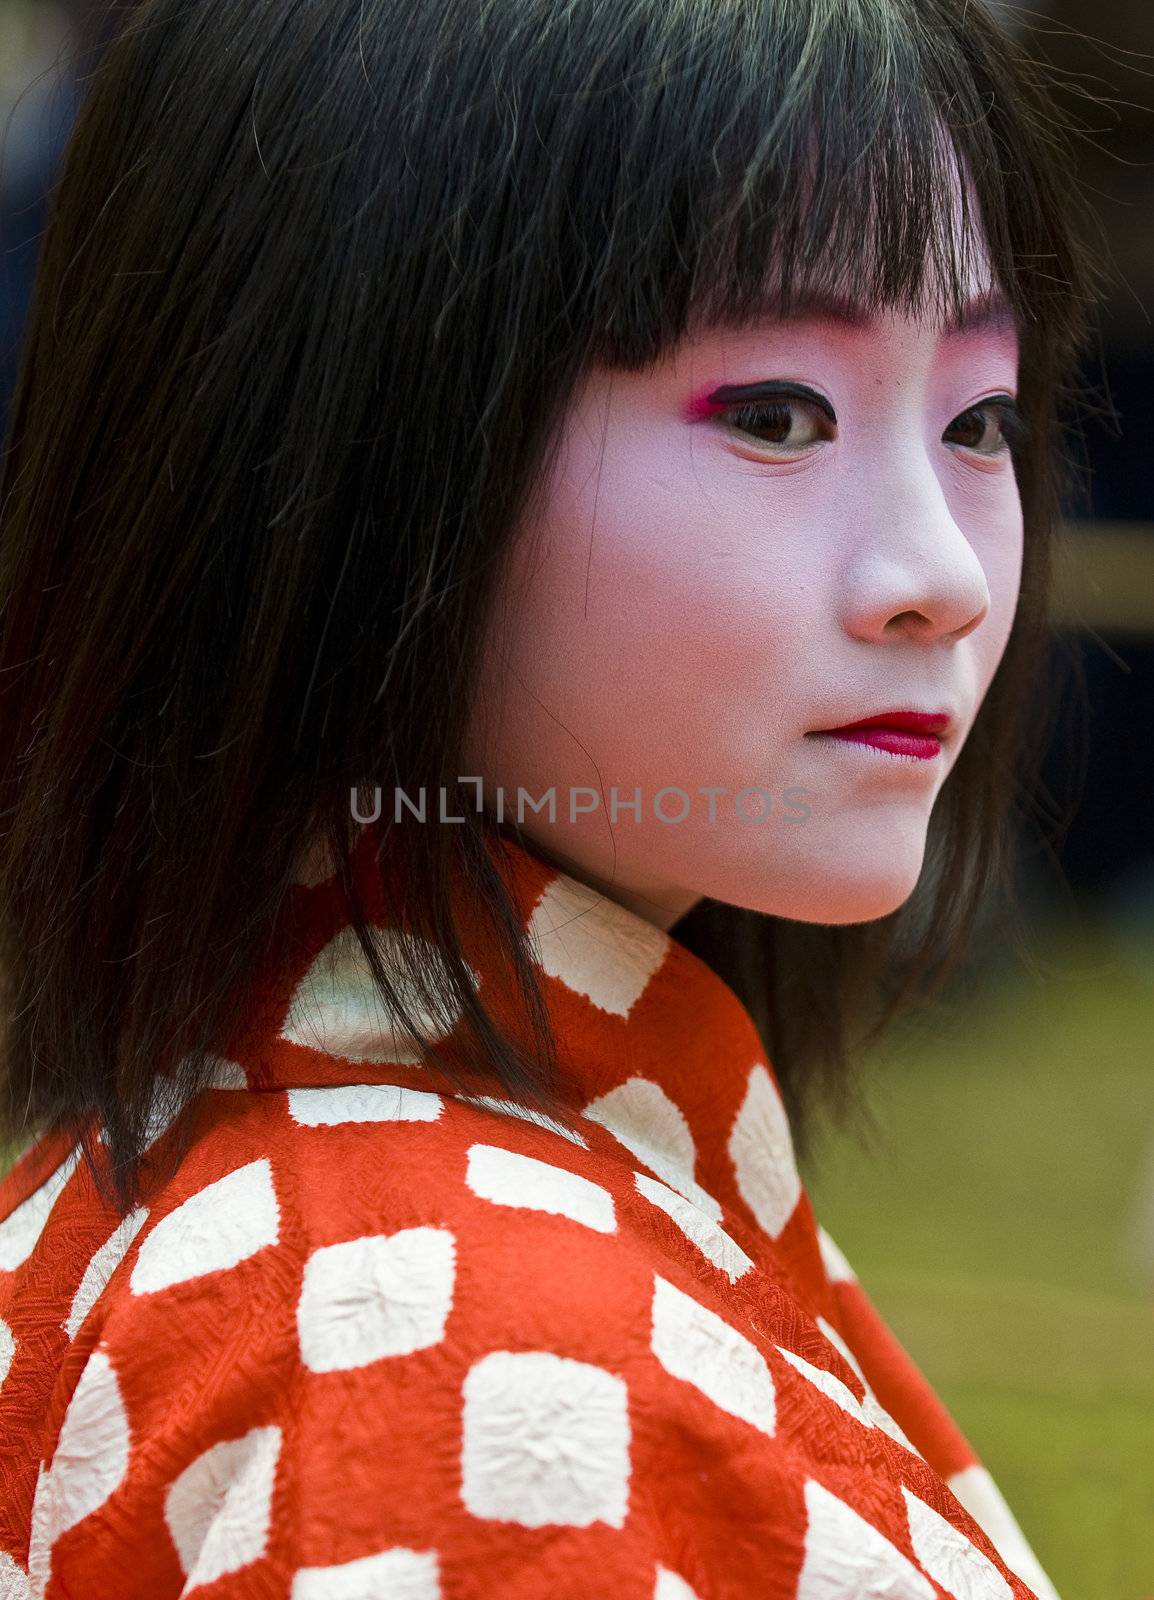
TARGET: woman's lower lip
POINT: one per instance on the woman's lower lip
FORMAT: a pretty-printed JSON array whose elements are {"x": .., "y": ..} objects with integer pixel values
[{"x": 894, "y": 741}]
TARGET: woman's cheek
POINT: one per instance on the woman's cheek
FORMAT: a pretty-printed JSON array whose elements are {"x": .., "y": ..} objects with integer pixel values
[{"x": 998, "y": 541}]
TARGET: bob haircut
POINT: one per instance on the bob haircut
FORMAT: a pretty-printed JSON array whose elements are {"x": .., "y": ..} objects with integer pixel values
[{"x": 317, "y": 286}]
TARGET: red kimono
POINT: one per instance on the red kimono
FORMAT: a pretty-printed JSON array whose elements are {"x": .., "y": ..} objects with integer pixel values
[{"x": 378, "y": 1340}]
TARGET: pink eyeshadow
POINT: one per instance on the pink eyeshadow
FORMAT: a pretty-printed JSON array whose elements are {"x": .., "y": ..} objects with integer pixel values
[{"x": 701, "y": 405}]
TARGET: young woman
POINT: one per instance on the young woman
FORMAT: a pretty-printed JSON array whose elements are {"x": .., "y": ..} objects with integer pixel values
[{"x": 471, "y": 470}]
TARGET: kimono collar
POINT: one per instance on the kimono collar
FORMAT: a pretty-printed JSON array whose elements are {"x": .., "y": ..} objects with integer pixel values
[{"x": 651, "y": 1043}]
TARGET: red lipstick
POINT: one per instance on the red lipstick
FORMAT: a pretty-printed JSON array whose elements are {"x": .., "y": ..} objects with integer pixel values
[{"x": 899, "y": 733}]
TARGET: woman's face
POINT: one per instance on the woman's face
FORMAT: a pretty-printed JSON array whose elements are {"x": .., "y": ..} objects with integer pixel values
[{"x": 705, "y": 587}]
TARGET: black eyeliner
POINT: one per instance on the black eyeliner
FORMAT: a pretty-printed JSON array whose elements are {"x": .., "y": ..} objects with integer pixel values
[{"x": 770, "y": 389}]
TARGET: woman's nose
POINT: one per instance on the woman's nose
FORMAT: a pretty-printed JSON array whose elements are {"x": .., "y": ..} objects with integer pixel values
[{"x": 914, "y": 571}]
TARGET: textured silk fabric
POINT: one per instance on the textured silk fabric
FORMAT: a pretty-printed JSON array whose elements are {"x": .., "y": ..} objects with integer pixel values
[{"x": 376, "y": 1340}]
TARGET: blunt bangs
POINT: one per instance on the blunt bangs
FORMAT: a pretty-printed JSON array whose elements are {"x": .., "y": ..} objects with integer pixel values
[{"x": 779, "y": 150}]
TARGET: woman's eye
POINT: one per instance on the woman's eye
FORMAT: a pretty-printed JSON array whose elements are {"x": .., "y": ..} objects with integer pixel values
[
  {"x": 786, "y": 424},
  {"x": 990, "y": 429}
]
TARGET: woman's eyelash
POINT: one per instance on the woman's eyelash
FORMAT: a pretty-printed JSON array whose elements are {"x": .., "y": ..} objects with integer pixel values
[
  {"x": 1015, "y": 428},
  {"x": 768, "y": 406},
  {"x": 747, "y": 396}
]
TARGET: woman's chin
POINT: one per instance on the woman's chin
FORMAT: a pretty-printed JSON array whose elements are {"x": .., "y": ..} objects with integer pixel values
[{"x": 822, "y": 890}]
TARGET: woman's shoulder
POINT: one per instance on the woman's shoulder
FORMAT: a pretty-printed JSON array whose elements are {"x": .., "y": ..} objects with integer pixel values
[
  {"x": 297, "y": 1169},
  {"x": 470, "y": 1205},
  {"x": 440, "y": 1303},
  {"x": 375, "y": 1335},
  {"x": 331, "y": 1227}
]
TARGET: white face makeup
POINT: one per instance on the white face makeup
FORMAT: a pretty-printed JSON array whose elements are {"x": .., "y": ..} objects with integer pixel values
[{"x": 704, "y": 589}]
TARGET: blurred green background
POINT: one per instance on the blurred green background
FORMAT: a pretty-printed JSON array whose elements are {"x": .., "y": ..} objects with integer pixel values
[{"x": 1004, "y": 1226}]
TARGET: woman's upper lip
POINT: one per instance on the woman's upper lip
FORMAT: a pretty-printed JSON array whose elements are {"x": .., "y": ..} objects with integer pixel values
[{"x": 908, "y": 721}]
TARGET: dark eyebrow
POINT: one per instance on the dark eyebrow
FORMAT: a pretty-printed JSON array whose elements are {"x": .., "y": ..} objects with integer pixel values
[{"x": 988, "y": 311}]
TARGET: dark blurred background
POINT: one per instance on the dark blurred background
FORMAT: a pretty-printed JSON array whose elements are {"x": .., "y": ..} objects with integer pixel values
[
  {"x": 1004, "y": 1222},
  {"x": 1105, "y": 54}
]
